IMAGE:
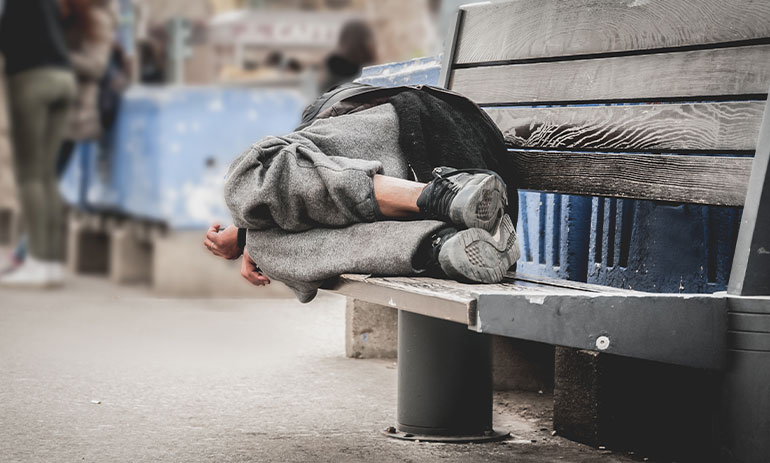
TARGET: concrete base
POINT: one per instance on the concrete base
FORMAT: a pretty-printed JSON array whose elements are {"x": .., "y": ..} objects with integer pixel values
[
  {"x": 371, "y": 330},
  {"x": 519, "y": 365},
  {"x": 131, "y": 253},
  {"x": 629, "y": 404},
  {"x": 118, "y": 247},
  {"x": 182, "y": 267},
  {"x": 87, "y": 245}
]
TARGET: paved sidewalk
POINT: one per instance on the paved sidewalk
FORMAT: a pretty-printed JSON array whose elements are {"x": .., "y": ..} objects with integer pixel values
[{"x": 98, "y": 373}]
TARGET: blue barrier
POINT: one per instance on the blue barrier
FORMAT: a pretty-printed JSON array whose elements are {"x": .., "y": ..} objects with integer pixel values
[
  {"x": 87, "y": 184},
  {"x": 424, "y": 71},
  {"x": 661, "y": 247},
  {"x": 172, "y": 147}
]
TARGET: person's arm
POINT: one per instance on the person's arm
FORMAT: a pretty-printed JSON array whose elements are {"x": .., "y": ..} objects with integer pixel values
[
  {"x": 91, "y": 60},
  {"x": 228, "y": 243},
  {"x": 251, "y": 272}
]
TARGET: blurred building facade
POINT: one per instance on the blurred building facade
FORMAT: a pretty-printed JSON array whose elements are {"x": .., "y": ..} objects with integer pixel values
[{"x": 226, "y": 40}]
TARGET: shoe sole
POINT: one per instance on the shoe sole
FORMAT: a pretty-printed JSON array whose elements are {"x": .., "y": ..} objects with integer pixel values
[
  {"x": 480, "y": 205},
  {"x": 476, "y": 256}
]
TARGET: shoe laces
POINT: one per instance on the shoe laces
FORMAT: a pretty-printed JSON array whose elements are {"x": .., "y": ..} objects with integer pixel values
[
  {"x": 432, "y": 266},
  {"x": 437, "y": 198}
]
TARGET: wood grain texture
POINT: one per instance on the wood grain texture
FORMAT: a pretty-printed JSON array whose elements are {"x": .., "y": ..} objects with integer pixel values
[
  {"x": 732, "y": 126},
  {"x": 456, "y": 291},
  {"x": 423, "y": 296},
  {"x": 702, "y": 73},
  {"x": 445, "y": 299},
  {"x": 523, "y": 279},
  {"x": 750, "y": 273},
  {"x": 548, "y": 28},
  {"x": 692, "y": 179}
]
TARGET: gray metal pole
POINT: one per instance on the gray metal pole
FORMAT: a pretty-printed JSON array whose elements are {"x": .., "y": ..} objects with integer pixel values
[
  {"x": 444, "y": 381},
  {"x": 746, "y": 400}
]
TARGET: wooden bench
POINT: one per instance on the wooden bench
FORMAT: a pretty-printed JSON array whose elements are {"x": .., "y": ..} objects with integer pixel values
[{"x": 660, "y": 100}]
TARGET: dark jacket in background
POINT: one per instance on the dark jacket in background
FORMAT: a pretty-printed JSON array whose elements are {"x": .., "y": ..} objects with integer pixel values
[
  {"x": 90, "y": 57},
  {"x": 31, "y": 36},
  {"x": 339, "y": 70}
]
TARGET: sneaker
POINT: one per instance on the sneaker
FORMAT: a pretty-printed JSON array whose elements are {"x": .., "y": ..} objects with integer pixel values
[
  {"x": 474, "y": 254},
  {"x": 468, "y": 198},
  {"x": 55, "y": 274},
  {"x": 34, "y": 273}
]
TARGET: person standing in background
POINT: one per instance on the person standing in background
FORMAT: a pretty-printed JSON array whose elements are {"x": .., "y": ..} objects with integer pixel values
[
  {"x": 89, "y": 30},
  {"x": 355, "y": 49},
  {"x": 41, "y": 88}
]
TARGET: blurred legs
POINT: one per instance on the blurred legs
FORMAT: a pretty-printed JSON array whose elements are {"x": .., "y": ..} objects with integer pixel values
[{"x": 39, "y": 102}]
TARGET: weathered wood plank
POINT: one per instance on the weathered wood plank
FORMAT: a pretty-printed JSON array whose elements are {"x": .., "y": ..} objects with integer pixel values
[
  {"x": 742, "y": 340},
  {"x": 692, "y": 179},
  {"x": 424, "y": 296},
  {"x": 549, "y": 28},
  {"x": 451, "y": 47},
  {"x": 692, "y": 74},
  {"x": 723, "y": 126},
  {"x": 748, "y": 304},
  {"x": 749, "y": 322},
  {"x": 750, "y": 274},
  {"x": 523, "y": 279},
  {"x": 446, "y": 299}
]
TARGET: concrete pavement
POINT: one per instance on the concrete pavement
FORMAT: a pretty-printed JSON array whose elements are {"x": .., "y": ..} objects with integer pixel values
[{"x": 101, "y": 373}]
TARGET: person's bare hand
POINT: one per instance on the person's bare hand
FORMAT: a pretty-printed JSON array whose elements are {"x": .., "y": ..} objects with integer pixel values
[
  {"x": 251, "y": 272},
  {"x": 223, "y": 243}
]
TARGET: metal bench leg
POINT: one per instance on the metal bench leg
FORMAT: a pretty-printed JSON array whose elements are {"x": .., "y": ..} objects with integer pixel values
[
  {"x": 444, "y": 382},
  {"x": 746, "y": 401}
]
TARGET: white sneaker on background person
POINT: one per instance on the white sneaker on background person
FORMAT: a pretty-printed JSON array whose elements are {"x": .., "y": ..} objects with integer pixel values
[
  {"x": 55, "y": 274},
  {"x": 34, "y": 273}
]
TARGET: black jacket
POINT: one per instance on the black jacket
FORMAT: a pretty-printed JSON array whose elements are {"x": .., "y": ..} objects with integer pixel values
[{"x": 31, "y": 36}]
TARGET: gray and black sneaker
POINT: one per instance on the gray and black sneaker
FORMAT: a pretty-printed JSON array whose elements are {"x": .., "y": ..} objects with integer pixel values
[
  {"x": 474, "y": 254},
  {"x": 468, "y": 198}
]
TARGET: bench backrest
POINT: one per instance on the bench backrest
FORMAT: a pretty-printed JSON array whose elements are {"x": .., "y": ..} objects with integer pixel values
[{"x": 643, "y": 99}]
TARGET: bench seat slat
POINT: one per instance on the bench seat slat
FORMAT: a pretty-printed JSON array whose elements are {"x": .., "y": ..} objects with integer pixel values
[
  {"x": 693, "y": 179},
  {"x": 524, "y": 279},
  {"x": 699, "y": 75},
  {"x": 681, "y": 127},
  {"x": 518, "y": 30},
  {"x": 445, "y": 299},
  {"x": 419, "y": 295},
  {"x": 681, "y": 329},
  {"x": 687, "y": 330}
]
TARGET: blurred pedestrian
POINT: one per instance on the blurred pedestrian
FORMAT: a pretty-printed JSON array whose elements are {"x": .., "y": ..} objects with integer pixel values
[
  {"x": 356, "y": 48},
  {"x": 41, "y": 89},
  {"x": 113, "y": 84},
  {"x": 90, "y": 27},
  {"x": 152, "y": 59}
]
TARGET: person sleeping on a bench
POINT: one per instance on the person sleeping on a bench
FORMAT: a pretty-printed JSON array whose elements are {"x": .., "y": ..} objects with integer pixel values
[{"x": 343, "y": 194}]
